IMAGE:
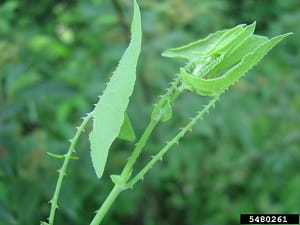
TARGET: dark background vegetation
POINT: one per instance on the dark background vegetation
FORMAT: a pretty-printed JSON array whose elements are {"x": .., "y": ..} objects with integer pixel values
[{"x": 55, "y": 57}]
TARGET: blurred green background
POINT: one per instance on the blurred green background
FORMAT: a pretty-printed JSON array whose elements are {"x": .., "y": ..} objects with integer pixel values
[{"x": 55, "y": 58}]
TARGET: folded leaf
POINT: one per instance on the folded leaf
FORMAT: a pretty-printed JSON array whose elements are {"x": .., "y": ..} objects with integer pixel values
[
  {"x": 240, "y": 38},
  {"x": 214, "y": 43},
  {"x": 193, "y": 49},
  {"x": 227, "y": 39},
  {"x": 109, "y": 111},
  {"x": 200, "y": 68},
  {"x": 237, "y": 54},
  {"x": 216, "y": 86}
]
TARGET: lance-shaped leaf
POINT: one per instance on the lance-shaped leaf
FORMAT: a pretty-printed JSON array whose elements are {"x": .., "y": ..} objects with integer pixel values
[
  {"x": 220, "y": 42},
  {"x": 216, "y": 86},
  {"x": 193, "y": 49},
  {"x": 212, "y": 44},
  {"x": 109, "y": 111}
]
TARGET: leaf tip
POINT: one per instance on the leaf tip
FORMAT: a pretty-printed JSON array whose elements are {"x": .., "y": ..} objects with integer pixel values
[
  {"x": 252, "y": 26},
  {"x": 165, "y": 53},
  {"x": 289, "y": 33}
]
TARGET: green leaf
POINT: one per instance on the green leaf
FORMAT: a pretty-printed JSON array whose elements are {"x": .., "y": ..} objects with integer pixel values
[
  {"x": 117, "y": 179},
  {"x": 213, "y": 43},
  {"x": 237, "y": 40},
  {"x": 162, "y": 113},
  {"x": 215, "y": 86},
  {"x": 127, "y": 132},
  {"x": 200, "y": 68},
  {"x": 167, "y": 112},
  {"x": 120, "y": 180},
  {"x": 193, "y": 49},
  {"x": 238, "y": 53},
  {"x": 228, "y": 39},
  {"x": 220, "y": 42},
  {"x": 227, "y": 44},
  {"x": 109, "y": 111}
]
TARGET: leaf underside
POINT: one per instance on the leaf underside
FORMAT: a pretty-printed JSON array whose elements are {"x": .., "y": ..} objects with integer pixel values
[{"x": 110, "y": 109}]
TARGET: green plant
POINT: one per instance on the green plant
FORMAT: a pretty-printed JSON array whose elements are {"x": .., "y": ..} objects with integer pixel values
[{"x": 214, "y": 64}]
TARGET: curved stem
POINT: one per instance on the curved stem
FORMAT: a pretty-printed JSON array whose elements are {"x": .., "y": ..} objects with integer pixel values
[
  {"x": 158, "y": 156},
  {"x": 62, "y": 170}
]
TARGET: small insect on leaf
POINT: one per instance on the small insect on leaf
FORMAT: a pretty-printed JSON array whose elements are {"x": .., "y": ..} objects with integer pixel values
[
  {"x": 109, "y": 111},
  {"x": 215, "y": 86},
  {"x": 127, "y": 132}
]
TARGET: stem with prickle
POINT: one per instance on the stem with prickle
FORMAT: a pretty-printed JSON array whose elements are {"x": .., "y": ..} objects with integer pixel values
[
  {"x": 158, "y": 156},
  {"x": 118, "y": 188},
  {"x": 171, "y": 94},
  {"x": 152, "y": 124},
  {"x": 62, "y": 170}
]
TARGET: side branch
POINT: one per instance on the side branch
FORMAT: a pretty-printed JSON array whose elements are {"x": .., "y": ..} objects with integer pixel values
[
  {"x": 153, "y": 122},
  {"x": 158, "y": 156},
  {"x": 62, "y": 170}
]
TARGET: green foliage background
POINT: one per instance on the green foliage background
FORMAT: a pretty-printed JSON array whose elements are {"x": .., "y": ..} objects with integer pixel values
[{"x": 55, "y": 57}]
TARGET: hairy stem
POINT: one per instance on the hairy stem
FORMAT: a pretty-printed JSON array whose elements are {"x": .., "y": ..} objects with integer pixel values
[
  {"x": 158, "y": 156},
  {"x": 62, "y": 170}
]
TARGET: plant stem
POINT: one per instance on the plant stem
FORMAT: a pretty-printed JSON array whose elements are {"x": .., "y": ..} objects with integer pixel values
[
  {"x": 106, "y": 205},
  {"x": 62, "y": 170},
  {"x": 117, "y": 189},
  {"x": 125, "y": 174},
  {"x": 158, "y": 156},
  {"x": 138, "y": 148},
  {"x": 171, "y": 92}
]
